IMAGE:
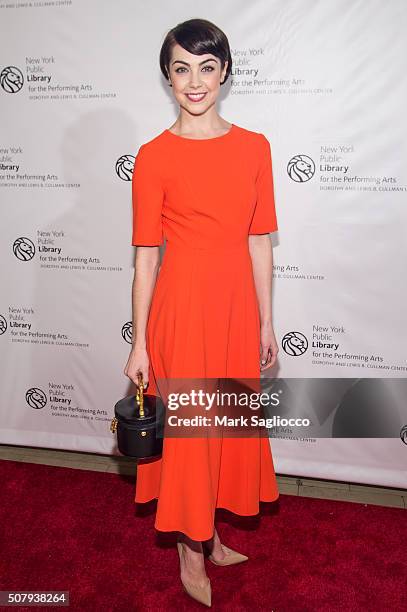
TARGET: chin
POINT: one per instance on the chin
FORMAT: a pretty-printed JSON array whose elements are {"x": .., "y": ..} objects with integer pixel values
[{"x": 194, "y": 110}]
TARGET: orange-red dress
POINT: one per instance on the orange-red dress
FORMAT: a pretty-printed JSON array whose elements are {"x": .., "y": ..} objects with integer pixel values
[{"x": 204, "y": 197}]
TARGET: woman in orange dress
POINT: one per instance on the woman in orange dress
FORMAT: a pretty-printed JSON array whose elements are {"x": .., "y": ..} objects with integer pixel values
[{"x": 206, "y": 187}]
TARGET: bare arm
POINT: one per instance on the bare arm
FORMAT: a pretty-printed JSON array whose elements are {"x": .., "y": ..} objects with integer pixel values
[
  {"x": 261, "y": 252},
  {"x": 145, "y": 276}
]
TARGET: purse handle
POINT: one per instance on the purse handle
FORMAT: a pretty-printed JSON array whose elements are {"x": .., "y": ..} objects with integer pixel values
[{"x": 140, "y": 394}]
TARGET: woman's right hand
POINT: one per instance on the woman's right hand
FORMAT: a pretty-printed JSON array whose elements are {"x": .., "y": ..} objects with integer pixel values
[{"x": 138, "y": 361}]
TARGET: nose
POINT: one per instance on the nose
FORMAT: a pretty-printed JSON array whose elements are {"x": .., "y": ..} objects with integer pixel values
[{"x": 195, "y": 80}]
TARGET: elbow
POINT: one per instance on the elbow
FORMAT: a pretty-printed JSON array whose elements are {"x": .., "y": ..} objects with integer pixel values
[
  {"x": 259, "y": 241},
  {"x": 148, "y": 257}
]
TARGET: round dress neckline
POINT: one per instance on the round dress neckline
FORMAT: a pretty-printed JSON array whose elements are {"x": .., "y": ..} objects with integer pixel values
[{"x": 228, "y": 133}]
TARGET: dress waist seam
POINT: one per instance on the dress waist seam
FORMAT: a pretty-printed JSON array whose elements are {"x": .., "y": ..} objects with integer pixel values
[{"x": 178, "y": 245}]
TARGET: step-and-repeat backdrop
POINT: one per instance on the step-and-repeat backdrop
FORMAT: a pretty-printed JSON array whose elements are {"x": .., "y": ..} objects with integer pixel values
[{"x": 81, "y": 90}]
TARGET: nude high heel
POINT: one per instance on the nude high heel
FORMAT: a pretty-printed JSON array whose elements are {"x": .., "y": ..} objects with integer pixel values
[
  {"x": 201, "y": 594},
  {"x": 232, "y": 557}
]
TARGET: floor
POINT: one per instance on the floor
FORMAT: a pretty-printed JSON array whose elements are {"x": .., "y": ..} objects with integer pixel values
[{"x": 290, "y": 485}]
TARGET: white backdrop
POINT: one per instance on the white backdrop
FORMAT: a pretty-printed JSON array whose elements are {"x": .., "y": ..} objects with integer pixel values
[{"x": 81, "y": 90}]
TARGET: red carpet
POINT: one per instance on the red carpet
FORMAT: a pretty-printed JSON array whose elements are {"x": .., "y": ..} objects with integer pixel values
[{"x": 68, "y": 529}]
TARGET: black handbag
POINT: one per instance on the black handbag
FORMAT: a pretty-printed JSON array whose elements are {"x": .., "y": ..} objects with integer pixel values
[{"x": 139, "y": 424}]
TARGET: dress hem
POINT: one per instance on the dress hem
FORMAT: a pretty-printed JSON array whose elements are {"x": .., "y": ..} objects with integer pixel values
[{"x": 200, "y": 538}]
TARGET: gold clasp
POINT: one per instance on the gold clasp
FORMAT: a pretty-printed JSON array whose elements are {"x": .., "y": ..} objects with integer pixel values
[
  {"x": 113, "y": 425},
  {"x": 140, "y": 394}
]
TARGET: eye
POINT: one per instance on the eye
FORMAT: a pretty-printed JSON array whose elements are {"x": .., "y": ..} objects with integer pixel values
[{"x": 205, "y": 68}]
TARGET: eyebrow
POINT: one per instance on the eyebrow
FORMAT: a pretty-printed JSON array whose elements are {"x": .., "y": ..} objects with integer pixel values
[{"x": 211, "y": 59}]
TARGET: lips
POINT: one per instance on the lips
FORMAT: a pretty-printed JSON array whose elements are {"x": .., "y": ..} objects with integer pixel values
[{"x": 196, "y": 97}]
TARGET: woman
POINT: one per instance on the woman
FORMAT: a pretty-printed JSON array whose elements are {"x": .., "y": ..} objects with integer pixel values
[{"x": 205, "y": 185}]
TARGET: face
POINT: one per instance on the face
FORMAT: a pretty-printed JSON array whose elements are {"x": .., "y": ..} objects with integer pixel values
[{"x": 195, "y": 79}]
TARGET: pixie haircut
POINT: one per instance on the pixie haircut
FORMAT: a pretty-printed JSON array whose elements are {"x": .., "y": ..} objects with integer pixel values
[{"x": 198, "y": 36}]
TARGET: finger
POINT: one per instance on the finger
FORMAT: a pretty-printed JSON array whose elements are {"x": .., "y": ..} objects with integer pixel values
[
  {"x": 274, "y": 357},
  {"x": 136, "y": 377},
  {"x": 264, "y": 355},
  {"x": 271, "y": 359}
]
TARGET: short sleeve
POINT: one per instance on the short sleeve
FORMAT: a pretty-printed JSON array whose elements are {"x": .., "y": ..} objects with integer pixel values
[
  {"x": 147, "y": 200},
  {"x": 264, "y": 218}
]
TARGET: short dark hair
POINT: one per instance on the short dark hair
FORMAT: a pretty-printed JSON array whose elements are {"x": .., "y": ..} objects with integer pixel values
[{"x": 198, "y": 36}]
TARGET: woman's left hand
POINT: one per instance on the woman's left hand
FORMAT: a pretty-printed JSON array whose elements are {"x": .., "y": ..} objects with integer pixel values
[{"x": 269, "y": 348}]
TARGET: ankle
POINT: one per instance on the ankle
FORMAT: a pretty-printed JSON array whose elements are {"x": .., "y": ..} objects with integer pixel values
[{"x": 189, "y": 545}]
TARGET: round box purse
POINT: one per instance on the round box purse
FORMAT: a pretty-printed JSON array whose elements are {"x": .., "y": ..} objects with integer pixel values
[{"x": 139, "y": 424}]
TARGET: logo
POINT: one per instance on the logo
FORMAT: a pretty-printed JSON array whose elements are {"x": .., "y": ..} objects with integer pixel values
[
  {"x": 23, "y": 248},
  {"x": 125, "y": 166},
  {"x": 11, "y": 79},
  {"x": 127, "y": 331},
  {"x": 403, "y": 434},
  {"x": 36, "y": 398},
  {"x": 294, "y": 343},
  {"x": 3, "y": 325},
  {"x": 301, "y": 168}
]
